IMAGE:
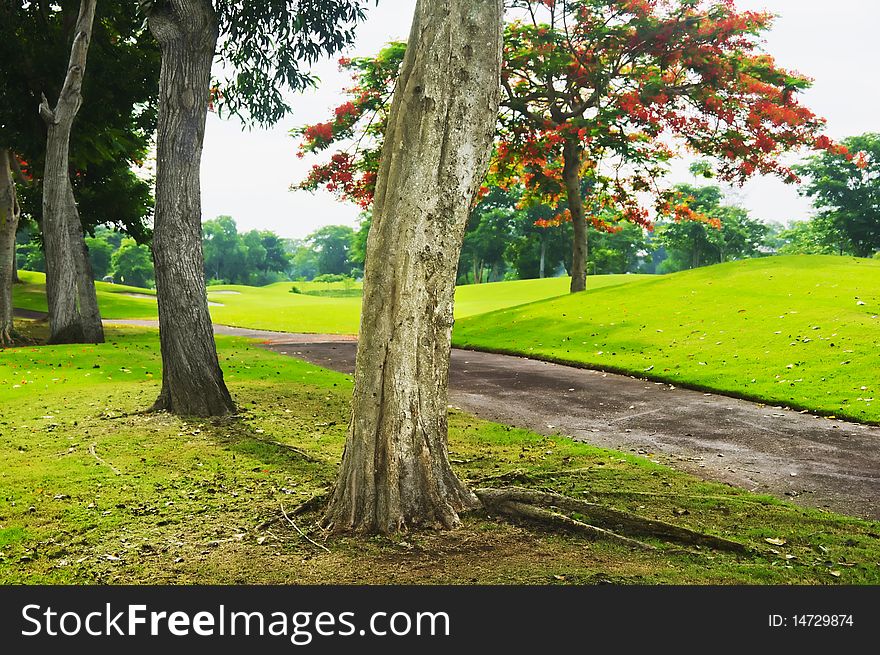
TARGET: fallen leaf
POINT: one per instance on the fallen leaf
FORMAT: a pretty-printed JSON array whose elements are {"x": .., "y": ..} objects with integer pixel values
[{"x": 775, "y": 541}]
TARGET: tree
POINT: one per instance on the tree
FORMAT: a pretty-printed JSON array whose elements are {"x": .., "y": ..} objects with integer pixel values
[
  {"x": 10, "y": 211},
  {"x": 332, "y": 245},
  {"x": 35, "y": 37},
  {"x": 100, "y": 253},
  {"x": 276, "y": 260},
  {"x": 728, "y": 233},
  {"x": 303, "y": 260},
  {"x": 236, "y": 258},
  {"x": 590, "y": 87},
  {"x": 846, "y": 192},
  {"x": 617, "y": 251},
  {"x": 395, "y": 471},
  {"x": 133, "y": 264},
  {"x": 538, "y": 247},
  {"x": 264, "y": 45},
  {"x": 817, "y": 236},
  {"x": 357, "y": 252},
  {"x": 74, "y": 316},
  {"x": 224, "y": 254}
]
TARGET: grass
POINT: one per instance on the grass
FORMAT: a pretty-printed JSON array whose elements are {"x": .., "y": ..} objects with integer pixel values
[
  {"x": 115, "y": 300},
  {"x": 189, "y": 494},
  {"x": 320, "y": 308},
  {"x": 803, "y": 332}
]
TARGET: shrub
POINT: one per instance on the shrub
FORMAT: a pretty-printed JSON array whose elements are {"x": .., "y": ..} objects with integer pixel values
[{"x": 331, "y": 277}]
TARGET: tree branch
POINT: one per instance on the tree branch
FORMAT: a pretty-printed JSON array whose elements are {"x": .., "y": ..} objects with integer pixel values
[
  {"x": 46, "y": 112},
  {"x": 71, "y": 93}
]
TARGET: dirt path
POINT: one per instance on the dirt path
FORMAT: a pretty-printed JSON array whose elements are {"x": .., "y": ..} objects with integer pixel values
[{"x": 812, "y": 461}]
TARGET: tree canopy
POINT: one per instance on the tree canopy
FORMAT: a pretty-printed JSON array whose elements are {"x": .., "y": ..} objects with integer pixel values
[
  {"x": 846, "y": 193},
  {"x": 113, "y": 135},
  {"x": 266, "y": 48},
  {"x": 599, "y": 95}
]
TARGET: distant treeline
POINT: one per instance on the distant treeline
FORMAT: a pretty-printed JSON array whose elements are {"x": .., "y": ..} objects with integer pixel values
[{"x": 503, "y": 241}]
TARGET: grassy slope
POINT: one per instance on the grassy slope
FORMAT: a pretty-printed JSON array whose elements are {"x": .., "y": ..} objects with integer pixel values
[
  {"x": 184, "y": 506},
  {"x": 112, "y": 298},
  {"x": 787, "y": 330},
  {"x": 274, "y": 308}
]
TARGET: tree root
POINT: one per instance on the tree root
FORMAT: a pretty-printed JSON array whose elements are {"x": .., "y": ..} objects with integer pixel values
[
  {"x": 523, "y": 510},
  {"x": 532, "y": 505},
  {"x": 8, "y": 336},
  {"x": 313, "y": 503},
  {"x": 301, "y": 533},
  {"x": 93, "y": 452}
]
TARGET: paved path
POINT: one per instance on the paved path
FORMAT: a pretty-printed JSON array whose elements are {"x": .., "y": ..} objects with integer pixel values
[{"x": 812, "y": 461}]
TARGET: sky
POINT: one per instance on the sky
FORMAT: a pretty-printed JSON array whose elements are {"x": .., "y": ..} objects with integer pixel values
[{"x": 247, "y": 174}]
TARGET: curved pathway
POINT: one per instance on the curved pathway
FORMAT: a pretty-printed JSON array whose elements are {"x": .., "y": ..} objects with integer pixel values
[{"x": 810, "y": 460}]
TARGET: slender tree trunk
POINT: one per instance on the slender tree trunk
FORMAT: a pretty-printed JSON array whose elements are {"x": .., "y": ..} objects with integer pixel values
[
  {"x": 9, "y": 215},
  {"x": 73, "y": 305},
  {"x": 395, "y": 471},
  {"x": 192, "y": 382},
  {"x": 543, "y": 258},
  {"x": 571, "y": 172},
  {"x": 93, "y": 328}
]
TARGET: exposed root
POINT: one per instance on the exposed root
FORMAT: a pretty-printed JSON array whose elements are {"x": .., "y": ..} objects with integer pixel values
[
  {"x": 301, "y": 533},
  {"x": 94, "y": 454},
  {"x": 315, "y": 502},
  {"x": 517, "y": 501},
  {"x": 293, "y": 449},
  {"x": 522, "y": 510}
]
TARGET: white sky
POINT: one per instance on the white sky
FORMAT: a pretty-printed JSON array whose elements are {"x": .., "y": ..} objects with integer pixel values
[{"x": 246, "y": 174}]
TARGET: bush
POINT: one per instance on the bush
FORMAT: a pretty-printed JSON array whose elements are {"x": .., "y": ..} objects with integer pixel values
[
  {"x": 877, "y": 255},
  {"x": 331, "y": 277}
]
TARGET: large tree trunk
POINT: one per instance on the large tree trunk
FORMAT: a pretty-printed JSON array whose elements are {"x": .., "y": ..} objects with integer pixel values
[
  {"x": 395, "y": 471},
  {"x": 73, "y": 315},
  {"x": 9, "y": 215},
  {"x": 571, "y": 172},
  {"x": 192, "y": 382}
]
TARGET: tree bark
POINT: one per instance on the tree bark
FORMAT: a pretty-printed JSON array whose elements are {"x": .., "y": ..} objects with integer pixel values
[
  {"x": 572, "y": 156},
  {"x": 192, "y": 381},
  {"x": 9, "y": 215},
  {"x": 395, "y": 472},
  {"x": 73, "y": 304}
]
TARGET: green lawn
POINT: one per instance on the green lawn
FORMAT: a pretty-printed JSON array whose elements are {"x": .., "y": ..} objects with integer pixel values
[
  {"x": 274, "y": 308},
  {"x": 786, "y": 330},
  {"x": 798, "y": 331},
  {"x": 115, "y": 300},
  {"x": 95, "y": 492}
]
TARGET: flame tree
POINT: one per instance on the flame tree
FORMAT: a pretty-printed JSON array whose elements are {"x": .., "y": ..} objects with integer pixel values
[{"x": 599, "y": 95}]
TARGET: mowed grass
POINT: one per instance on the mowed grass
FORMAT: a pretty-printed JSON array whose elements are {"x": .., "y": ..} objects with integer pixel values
[
  {"x": 115, "y": 300},
  {"x": 275, "y": 308},
  {"x": 803, "y": 332},
  {"x": 95, "y": 492}
]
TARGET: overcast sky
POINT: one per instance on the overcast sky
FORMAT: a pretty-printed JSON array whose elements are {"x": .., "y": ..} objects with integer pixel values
[{"x": 247, "y": 174}]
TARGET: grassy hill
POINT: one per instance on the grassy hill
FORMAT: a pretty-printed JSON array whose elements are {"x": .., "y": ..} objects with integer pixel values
[
  {"x": 328, "y": 308},
  {"x": 797, "y": 331}
]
